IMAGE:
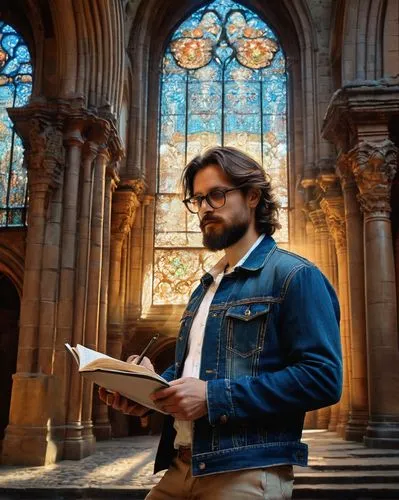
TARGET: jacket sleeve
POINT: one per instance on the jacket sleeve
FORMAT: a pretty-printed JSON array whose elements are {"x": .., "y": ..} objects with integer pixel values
[
  {"x": 169, "y": 373},
  {"x": 312, "y": 375}
]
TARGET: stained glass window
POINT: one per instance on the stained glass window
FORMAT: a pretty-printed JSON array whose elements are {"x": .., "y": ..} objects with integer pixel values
[
  {"x": 223, "y": 82},
  {"x": 15, "y": 91}
]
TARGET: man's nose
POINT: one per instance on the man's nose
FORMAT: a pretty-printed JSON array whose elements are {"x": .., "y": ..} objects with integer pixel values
[{"x": 205, "y": 207}]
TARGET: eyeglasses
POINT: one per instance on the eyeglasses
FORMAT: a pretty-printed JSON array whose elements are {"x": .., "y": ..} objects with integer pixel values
[{"x": 215, "y": 199}]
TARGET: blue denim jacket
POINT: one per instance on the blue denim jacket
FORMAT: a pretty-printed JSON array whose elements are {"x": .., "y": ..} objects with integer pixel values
[{"x": 271, "y": 352}]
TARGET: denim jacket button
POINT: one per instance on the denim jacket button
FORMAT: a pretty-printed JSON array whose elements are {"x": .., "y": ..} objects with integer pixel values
[
  {"x": 223, "y": 419},
  {"x": 247, "y": 312},
  {"x": 201, "y": 466}
]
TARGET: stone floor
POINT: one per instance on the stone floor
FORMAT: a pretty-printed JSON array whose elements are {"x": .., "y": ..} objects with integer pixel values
[{"x": 122, "y": 468}]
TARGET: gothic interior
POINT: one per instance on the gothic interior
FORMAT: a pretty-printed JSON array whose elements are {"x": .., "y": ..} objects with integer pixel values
[{"x": 102, "y": 102}]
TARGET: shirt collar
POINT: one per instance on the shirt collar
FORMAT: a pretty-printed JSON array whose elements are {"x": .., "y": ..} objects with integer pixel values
[{"x": 253, "y": 260}]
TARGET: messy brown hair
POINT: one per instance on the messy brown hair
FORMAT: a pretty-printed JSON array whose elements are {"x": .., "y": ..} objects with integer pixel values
[{"x": 244, "y": 172}]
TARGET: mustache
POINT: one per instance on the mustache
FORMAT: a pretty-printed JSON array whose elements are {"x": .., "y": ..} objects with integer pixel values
[{"x": 208, "y": 219}]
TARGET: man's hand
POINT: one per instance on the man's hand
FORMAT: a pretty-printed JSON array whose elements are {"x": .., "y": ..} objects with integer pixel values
[
  {"x": 120, "y": 403},
  {"x": 145, "y": 362},
  {"x": 185, "y": 399}
]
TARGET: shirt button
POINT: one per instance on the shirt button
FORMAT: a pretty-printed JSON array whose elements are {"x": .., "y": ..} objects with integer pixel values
[
  {"x": 223, "y": 419},
  {"x": 181, "y": 338},
  {"x": 177, "y": 364},
  {"x": 214, "y": 315},
  {"x": 201, "y": 466}
]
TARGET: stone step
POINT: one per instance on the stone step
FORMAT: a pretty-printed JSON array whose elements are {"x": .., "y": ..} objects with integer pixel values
[
  {"x": 346, "y": 492},
  {"x": 347, "y": 477},
  {"x": 354, "y": 464}
]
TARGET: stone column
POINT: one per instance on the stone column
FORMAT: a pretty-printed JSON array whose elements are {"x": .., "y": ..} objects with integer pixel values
[
  {"x": 374, "y": 166},
  {"x": 358, "y": 413},
  {"x": 124, "y": 205},
  {"x": 102, "y": 426},
  {"x": 29, "y": 437},
  {"x": 333, "y": 207},
  {"x": 322, "y": 236},
  {"x": 75, "y": 447},
  {"x": 94, "y": 283}
]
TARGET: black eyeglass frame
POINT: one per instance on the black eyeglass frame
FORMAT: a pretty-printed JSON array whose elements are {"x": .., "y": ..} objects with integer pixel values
[{"x": 206, "y": 197}]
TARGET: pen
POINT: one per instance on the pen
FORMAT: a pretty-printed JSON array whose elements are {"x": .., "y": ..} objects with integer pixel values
[{"x": 140, "y": 358}]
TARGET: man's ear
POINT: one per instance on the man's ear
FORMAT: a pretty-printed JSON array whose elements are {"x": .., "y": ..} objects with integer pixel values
[{"x": 253, "y": 197}]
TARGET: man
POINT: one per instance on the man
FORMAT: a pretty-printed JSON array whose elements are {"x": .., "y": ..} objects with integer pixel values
[{"x": 258, "y": 346}]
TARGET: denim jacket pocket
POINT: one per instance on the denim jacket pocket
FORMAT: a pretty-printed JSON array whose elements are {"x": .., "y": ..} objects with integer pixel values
[{"x": 246, "y": 324}]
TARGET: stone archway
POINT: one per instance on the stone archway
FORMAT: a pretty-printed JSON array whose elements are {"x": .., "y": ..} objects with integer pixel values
[{"x": 9, "y": 318}]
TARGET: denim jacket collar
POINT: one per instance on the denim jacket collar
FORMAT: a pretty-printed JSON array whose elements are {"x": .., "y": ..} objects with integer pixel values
[{"x": 255, "y": 261}]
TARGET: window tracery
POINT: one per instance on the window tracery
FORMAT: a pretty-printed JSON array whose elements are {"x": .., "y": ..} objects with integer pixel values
[
  {"x": 15, "y": 90},
  {"x": 223, "y": 82}
]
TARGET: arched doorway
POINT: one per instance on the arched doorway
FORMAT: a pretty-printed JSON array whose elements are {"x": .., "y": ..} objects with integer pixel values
[{"x": 9, "y": 318}]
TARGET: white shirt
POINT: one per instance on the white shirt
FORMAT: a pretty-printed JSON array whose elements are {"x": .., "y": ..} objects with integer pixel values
[{"x": 193, "y": 360}]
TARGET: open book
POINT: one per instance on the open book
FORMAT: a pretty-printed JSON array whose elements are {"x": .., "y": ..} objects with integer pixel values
[{"x": 135, "y": 382}]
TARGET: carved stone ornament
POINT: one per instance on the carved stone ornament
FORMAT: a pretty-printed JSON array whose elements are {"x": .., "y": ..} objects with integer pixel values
[
  {"x": 374, "y": 167},
  {"x": 318, "y": 219},
  {"x": 344, "y": 170},
  {"x": 124, "y": 206},
  {"x": 46, "y": 155},
  {"x": 335, "y": 217}
]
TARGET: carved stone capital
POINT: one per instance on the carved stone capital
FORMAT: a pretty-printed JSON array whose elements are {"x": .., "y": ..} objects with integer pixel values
[
  {"x": 112, "y": 175},
  {"x": 45, "y": 155},
  {"x": 136, "y": 185},
  {"x": 334, "y": 211},
  {"x": 318, "y": 219},
  {"x": 344, "y": 171},
  {"x": 374, "y": 167},
  {"x": 124, "y": 206}
]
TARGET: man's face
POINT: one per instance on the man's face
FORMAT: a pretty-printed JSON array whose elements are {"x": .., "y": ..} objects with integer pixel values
[{"x": 221, "y": 227}]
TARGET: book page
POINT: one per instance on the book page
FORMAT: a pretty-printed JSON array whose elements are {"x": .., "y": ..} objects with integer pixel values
[
  {"x": 87, "y": 356},
  {"x": 133, "y": 386},
  {"x": 120, "y": 366},
  {"x": 75, "y": 355}
]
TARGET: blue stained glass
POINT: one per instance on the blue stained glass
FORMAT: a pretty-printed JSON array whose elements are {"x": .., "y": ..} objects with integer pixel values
[
  {"x": 9, "y": 42},
  {"x": 15, "y": 91},
  {"x": 11, "y": 67},
  {"x": 22, "y": 54},
  {"x": 212, "y": 72},
  {"x": 242, "y": 97},
  {"x": 209, "y": 122},
  {"x": 235, "y": 123},
  {"x": 223, "y": 83},
  {"x": 204, "y": 97},
  {"x": 174, "y": 101}
]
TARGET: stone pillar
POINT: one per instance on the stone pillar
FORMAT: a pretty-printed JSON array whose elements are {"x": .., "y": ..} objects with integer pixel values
[
  {"x": 75, "y": 447},
  {"x": 93, "y": 286},
  {"x": 102, "y": 426},
  {"x": 374, "y": 166},
  {"x": 358, "y": 413},
  {"x": 124, "y": 204},
  {"x": 322, "y": 236},
  {"x": 333, "y": 207},
  {"x": 29, "y": 438}
]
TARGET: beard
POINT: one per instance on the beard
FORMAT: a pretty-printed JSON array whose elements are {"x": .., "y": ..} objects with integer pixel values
[{"x": 213, "y": 240}]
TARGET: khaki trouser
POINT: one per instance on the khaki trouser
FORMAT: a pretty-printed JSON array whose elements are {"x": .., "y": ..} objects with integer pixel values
[{"x": 271, "y": 483}]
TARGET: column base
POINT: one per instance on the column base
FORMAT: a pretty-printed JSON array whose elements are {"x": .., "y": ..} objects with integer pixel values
[
  {"x": 357, "y": 425},
  {"x": 102, "y": 432},
  {"x": 78, "y": 444},
  {"x": 31, "y": 437},
  {"x": 332, "y": 425},
  {"x": 323, "y": 417},
  {"x": 382, "y": 432}
]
